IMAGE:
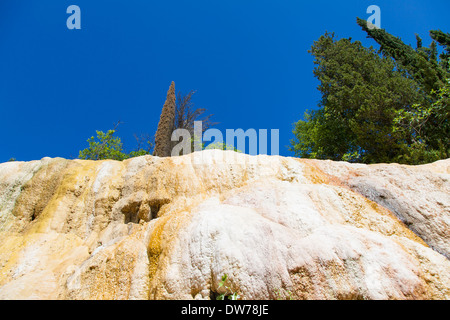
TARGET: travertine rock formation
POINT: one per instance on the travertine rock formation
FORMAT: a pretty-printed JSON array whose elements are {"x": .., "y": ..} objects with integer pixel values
[
  {"x": 170, "y": 228},
  {"x": 165, "y": 127}
]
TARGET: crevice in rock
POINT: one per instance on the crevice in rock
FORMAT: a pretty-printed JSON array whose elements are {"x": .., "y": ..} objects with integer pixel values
[
  {"x": 131, "y": 217},
  {"x": 136, "y": 209},
  {"x": 131, "y": 212},
  {"x": 156, "y": 205},
  {"x": 154, "y": 210}
]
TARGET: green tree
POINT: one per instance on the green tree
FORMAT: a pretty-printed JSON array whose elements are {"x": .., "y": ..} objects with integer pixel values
[
  {"x": 361, "y": 92},
  {"x": 444, "y": 40},
  {"x": 427, "y": 121},
  {"x": 385, "y": 106},
  {"x": 427, "y": 72},
  {"x": 428, "y": 143},
  {"x": 107, "y": 146}
]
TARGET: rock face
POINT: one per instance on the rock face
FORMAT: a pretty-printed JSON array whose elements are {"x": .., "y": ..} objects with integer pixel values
[{"x": 170, "y": 228}]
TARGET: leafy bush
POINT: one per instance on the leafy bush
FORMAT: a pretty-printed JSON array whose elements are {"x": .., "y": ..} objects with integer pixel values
[{"x": 107, "y": 146}]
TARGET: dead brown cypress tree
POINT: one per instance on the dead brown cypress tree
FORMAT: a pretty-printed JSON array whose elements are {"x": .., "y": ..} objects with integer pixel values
[{"x": 165, "y": 126}]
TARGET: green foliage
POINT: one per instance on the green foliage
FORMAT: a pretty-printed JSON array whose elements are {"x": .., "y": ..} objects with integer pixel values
[
  {"x": 316, "y": 138},
  {"x": 12, "y": 160},
  {"x": 107, "y": 146},
  {"x": 428, "y": 127},
  {"x": 360, "y": 93},
  {"x": 229, "y": 293},
  {"x": 420, "y": 64},
  {"x": 444, "y": 40},
  {"x": 392, "y": 107}
]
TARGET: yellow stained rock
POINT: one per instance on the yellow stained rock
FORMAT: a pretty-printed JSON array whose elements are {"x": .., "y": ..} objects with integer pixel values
[{"x": 170, "y": 228}]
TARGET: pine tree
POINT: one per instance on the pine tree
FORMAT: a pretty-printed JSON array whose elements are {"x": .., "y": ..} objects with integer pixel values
[
  {"x": 444, "y": 40},
  {"x": 429, "y": 74},
  {"x": 361, "y": 92},
  {"x": 165, "y": 126},
  {"x": 432, "y": 75},
  {"x": 387, "y": 106}
]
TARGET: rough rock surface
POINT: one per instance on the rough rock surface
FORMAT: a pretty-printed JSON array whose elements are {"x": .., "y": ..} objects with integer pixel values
[{"x": 170, "y": 228}]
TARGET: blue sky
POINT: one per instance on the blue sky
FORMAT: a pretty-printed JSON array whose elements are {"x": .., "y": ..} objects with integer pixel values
[{"x": 247, "y": 60}]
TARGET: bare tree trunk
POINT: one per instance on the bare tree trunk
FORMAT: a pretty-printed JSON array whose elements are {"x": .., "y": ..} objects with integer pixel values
[{"x": 165, "y": 126}]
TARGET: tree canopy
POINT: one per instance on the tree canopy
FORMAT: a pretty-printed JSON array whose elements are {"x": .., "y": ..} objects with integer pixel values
[
  {"x": 107, "y": 146},
  {"x": 389, "y": 105}
]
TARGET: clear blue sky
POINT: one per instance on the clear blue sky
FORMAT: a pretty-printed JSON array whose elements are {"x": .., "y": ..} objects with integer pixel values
[{"x": 247, "y": 60}]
